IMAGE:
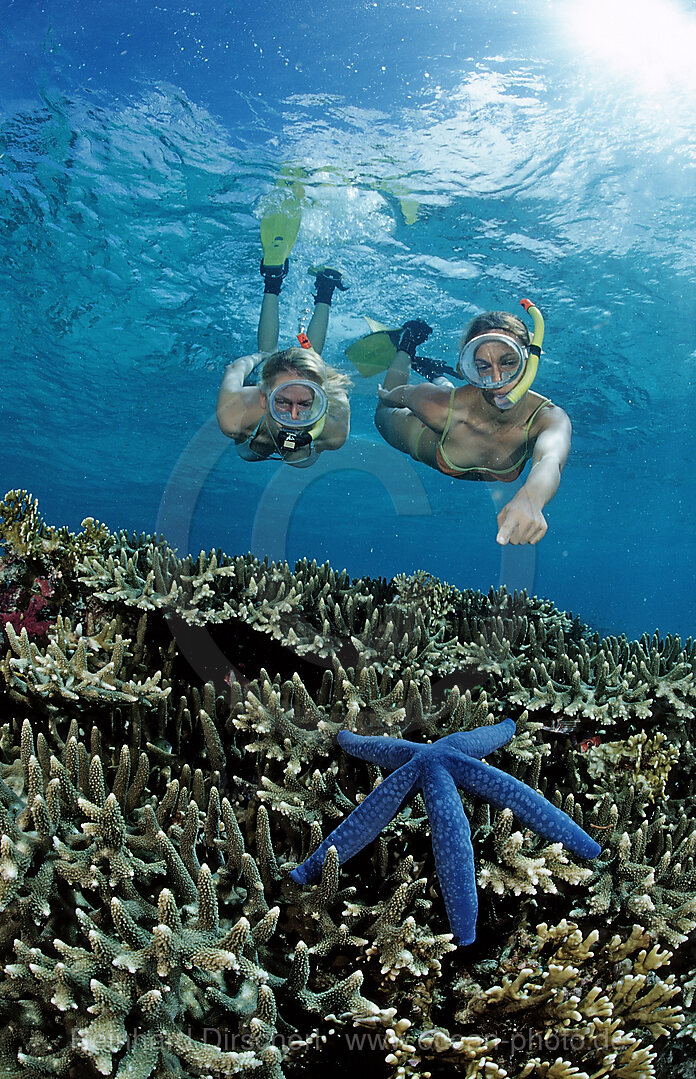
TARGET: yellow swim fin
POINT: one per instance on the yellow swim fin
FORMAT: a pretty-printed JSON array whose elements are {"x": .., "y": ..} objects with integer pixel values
[
  {"x": 375, "y": 351},
  {"x": 408, "y": 203},
  {"x": 280, "y": 222},
  {"x": 409, "y": 208}
]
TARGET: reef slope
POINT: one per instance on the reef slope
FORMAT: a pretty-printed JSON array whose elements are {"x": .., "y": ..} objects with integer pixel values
[{"x": 168, "y": 756}]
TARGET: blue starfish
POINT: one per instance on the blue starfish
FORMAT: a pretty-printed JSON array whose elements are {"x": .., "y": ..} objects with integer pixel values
[{"x": 438, "y": 769}]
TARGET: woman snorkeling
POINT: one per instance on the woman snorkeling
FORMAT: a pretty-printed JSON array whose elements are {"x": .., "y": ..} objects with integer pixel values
[
  {"x": 300, "y": 407},
  {"x": 486, "y": 430}
]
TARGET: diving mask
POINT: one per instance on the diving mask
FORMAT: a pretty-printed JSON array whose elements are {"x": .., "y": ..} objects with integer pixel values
[
  {"x": 495, "y": 367},
  {"x": 299, "y": 408},
  {"x": 471, "y": 366},
  {"x": 297, "y": 404}
]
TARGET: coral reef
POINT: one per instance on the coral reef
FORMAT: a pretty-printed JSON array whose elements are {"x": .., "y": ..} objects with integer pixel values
[{"x": 153, "y": 818}]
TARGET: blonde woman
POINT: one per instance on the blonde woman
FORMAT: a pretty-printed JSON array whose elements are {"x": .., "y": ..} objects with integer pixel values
[{"x": 300, "y": 407}]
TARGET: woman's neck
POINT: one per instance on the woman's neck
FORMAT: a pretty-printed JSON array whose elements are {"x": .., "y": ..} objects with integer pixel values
[{"x": 501, "y": 416}]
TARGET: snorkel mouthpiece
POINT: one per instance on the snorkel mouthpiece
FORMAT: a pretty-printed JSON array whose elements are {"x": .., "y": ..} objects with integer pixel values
[
  {"x": 293, "y": 439},
  {"x": 518, "y": 391}
]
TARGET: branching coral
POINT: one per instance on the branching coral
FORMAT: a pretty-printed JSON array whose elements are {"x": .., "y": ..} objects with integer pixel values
[
  {"x": 647, "y": 873},
  {"x": 76, "y": 667},
  {"x": 150, "y": 824},
  {"x": 574, "y": 995},
  {"x": 522, "y": 866},
  {"x": 141, "y": 963}
]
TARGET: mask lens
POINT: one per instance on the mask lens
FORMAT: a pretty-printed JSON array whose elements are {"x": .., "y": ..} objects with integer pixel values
[
  {"x": 297, "y": 403},
  {"x": 286, "y": 406}
]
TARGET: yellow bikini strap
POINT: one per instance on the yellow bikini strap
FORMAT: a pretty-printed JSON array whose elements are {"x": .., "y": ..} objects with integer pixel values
[
  {"x": 537, "y": 410},
  {"x": 449, "y": 415}
]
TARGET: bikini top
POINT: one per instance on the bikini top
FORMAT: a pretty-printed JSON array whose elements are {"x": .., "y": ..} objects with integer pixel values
[{"x": 493, "y": 473}]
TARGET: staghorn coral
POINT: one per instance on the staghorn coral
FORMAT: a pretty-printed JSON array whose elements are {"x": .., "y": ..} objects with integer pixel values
[
  {"x": 541, "y": 657},
  {"x": 611, "y": 679},
  {"x": 647, "y": 873},
  {"x": 23, "y": 530},
  {"x": 522, "y": 868},
  {"x": 140, "y": 965},
  {"x": 576, "y": 995},
  {"x": 76, "y": 667},
  {"x": 150, "y": 925}
]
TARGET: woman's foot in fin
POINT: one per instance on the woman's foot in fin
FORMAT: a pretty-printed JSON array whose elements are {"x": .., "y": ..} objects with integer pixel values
[
  {"x": 273, "y": 276},
  {"x": 327, "y": 280},
  {"x": 436, "y": 371}
]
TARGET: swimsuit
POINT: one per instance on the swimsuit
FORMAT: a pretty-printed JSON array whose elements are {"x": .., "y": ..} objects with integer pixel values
[
  {"x": 245, "y": 451},
  {"x": 476, "y": 472}
]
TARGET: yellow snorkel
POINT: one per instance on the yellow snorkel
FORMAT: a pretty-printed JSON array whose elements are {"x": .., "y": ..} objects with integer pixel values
[
  {"x": 318, "y": 427},
  {"x": 315, "y": 431},
  {"x": 518, "y": 392}
]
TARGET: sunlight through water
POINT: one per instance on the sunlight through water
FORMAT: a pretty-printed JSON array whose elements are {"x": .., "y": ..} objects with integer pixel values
[{"x": 652, "y": 43}]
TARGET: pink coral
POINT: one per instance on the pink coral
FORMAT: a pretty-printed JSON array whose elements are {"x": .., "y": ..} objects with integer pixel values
[
  {"x": 44, "y": 585},
  {"x": 28, "y": 619},
  {"x": 23, "y": 613}
]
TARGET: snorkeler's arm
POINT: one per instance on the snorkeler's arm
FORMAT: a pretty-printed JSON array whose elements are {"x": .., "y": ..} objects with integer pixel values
[
  {"x": 550, "y": 455},
  {"x": 522, "y": 520},
  {"x": 336, "y": 426},
  {"x": 238, "y": 370},
  {"x": 429, "y": 403},
  {"x": 238, "y": 406}
]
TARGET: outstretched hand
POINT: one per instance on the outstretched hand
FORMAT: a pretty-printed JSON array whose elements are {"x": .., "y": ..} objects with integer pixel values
[{"x": 521, "y": 521}]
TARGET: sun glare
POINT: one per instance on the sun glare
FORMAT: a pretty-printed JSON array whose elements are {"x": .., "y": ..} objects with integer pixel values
[{"x": 652, "y": 42}]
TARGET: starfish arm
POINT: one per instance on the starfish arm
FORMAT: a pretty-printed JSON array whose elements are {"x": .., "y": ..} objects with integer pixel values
[
  {"x": 482, "y": 740},
  {"x": 454, "y": 854},
  {"x": 386, "y": 752},
  {"x": 364, "y": 823},
  {"x": 530, "y": 807}
]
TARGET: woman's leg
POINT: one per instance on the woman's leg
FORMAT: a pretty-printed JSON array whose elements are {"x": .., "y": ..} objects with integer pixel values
[
  {"x": 319, "y": 324},
  {"x": 399, "y": 426},
  {"x": 326, "y": 282},
  {"x": 269, "y": 324}
]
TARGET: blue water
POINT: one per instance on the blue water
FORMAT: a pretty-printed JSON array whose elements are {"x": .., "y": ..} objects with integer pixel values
[{"x": 137, "y": 144}]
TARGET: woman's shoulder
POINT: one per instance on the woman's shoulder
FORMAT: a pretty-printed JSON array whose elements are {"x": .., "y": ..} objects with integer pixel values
[
  {"x": 248, "y": 414},
  {"x": 544, "y": 413},
  {"x": 461, "y": 396},
  {"x": 537, "y": 399}
]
